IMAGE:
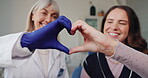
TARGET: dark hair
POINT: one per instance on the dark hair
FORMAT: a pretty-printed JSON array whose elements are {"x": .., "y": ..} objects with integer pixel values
[{"x": 134, "y": 38}]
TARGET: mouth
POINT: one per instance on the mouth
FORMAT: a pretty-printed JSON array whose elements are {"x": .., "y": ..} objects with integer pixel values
[
  {"x": 42, "y": 25},
  {"x": 114, "y": 35}
]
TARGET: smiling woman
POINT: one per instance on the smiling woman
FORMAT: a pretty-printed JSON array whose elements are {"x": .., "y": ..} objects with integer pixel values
[
  {"x": 120, "y": 24},
  {"x": 36, "y": 53}
]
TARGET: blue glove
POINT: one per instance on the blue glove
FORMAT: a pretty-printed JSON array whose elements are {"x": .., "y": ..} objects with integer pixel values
[{"x": 46, "y": 37}]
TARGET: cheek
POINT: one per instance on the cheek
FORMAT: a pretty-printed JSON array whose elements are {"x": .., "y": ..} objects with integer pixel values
[
  {"x": 125, "y": 30},
  {"x": 52, "y": 20},
  {"x": 37, "y": 23},
  {"x": 106, "y": 27},
  {"x": 38, "y": 17}
]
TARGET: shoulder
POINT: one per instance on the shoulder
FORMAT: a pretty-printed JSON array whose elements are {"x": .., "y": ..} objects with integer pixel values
[
  {"x": 12, "y": 35},
  {"x": 91, "y": 57},
  {"x": 90, "y": 60}
]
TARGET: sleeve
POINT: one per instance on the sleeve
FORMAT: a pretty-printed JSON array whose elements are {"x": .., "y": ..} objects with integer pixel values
[
  {"x": 133, "y": 59},
  {"x": 6, "y": 47},
  {"x": 18, "y": 51}
]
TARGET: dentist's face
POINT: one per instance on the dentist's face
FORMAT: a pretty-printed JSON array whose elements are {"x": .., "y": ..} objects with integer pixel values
[
  {"x": 44, "y": 16},
  {"x": 117, "y": 25}
]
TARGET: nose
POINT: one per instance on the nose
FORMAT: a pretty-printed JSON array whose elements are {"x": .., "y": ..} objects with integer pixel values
[
  {"x": 114, "y": 26},
  {"x": 48, "y": 19}
]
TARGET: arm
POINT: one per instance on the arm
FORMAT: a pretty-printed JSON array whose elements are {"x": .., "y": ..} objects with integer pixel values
[
  {"x": 7, "y": 48},
  {"x": 131, "y": 58}
]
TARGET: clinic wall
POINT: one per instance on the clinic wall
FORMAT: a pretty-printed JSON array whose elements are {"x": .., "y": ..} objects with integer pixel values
[
  {"x": 13, "y": 15},
  {"x": 140, "y": 7}
]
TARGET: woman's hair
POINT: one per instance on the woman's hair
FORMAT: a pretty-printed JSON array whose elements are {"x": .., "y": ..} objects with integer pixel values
[
  {"x": 40, "y": 4},
  {"x": 134, "y": 38}
]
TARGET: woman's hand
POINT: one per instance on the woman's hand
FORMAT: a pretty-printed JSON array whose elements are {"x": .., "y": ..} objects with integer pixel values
[
  {"x": 46, "y": 37},
  {"x": 94, "y": 40}
]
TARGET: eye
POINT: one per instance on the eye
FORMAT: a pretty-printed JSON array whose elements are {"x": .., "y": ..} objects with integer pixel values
[
  {"x": 44, "y": 13},
  {"x": 109, "y": 21},
  {"x": 55, "y": 16},
  {"x": 123, "y": 22}
]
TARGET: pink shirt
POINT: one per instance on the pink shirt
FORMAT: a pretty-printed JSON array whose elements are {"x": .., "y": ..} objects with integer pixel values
[{"x": 133, "y": 59}]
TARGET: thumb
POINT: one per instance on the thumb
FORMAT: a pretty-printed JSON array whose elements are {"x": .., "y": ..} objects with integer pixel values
[{"x": 77, "y": 49}]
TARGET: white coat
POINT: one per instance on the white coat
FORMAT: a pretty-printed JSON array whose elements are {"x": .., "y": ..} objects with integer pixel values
[{"x": 21, "y": 63}]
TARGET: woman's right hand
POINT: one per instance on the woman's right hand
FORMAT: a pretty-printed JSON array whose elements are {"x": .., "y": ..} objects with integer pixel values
[{"x": 94, "y": 40}]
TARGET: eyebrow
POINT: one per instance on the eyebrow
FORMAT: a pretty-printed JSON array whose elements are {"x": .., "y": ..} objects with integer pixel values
[{"x": 44, "y": 9}]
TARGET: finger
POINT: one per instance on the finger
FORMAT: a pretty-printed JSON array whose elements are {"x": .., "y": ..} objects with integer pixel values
[
  {"x": 65, "y": 22},
  {"x": 76, "y": 26},
  {"x": 77, "y": 49}
]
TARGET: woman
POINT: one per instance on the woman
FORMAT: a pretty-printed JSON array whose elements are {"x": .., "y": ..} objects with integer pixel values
[
  {"x": 120, "y": 23},
  {"x": 25, "y": 56}
]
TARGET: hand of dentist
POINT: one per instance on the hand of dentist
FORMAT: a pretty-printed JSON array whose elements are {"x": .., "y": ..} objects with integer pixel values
[{"x": 46, "y": 37}]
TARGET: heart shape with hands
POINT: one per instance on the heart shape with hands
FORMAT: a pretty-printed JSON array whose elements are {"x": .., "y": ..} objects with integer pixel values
[{"x": 46, "y": 37}]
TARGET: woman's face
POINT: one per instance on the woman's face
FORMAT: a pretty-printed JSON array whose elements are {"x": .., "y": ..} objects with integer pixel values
[
  {"x": 44, "y": 16},
  {"x": 117, "y": 25}
]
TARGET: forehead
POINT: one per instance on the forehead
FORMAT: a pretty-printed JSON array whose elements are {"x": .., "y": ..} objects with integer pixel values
[
  {"x": 117, "y": 14},
  {"x": 49, "y": 8}
]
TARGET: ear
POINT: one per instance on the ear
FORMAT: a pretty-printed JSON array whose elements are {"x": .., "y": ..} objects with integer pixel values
[{"x": 32, "y": 15}]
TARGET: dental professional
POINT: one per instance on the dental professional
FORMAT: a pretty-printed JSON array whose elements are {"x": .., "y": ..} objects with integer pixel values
[{"x": 36, "y": 53}]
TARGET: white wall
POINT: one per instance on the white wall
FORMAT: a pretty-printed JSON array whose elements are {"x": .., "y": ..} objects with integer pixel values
[{"x": 13, "y": 15}]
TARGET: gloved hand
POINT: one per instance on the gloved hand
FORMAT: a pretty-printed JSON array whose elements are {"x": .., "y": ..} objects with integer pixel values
[{"x": 46, "y": 37}]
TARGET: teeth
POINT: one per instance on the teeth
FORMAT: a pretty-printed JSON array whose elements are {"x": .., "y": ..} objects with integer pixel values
[
  {"x": 43, "y": 24},
  {"x": 113, "y": 34}
]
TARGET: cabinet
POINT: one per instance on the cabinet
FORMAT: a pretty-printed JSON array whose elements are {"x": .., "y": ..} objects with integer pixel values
[{"x": 94, "y": 21}]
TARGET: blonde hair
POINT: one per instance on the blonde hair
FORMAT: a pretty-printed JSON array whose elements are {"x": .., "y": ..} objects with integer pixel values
[{"x": 40, "y": 4}]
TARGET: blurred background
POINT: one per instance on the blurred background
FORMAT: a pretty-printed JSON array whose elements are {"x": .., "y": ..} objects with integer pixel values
[{"x": 13, "y": 14}]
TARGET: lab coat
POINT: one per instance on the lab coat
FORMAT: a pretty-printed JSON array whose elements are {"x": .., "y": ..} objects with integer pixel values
[{"x": 21, "y": 63}]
